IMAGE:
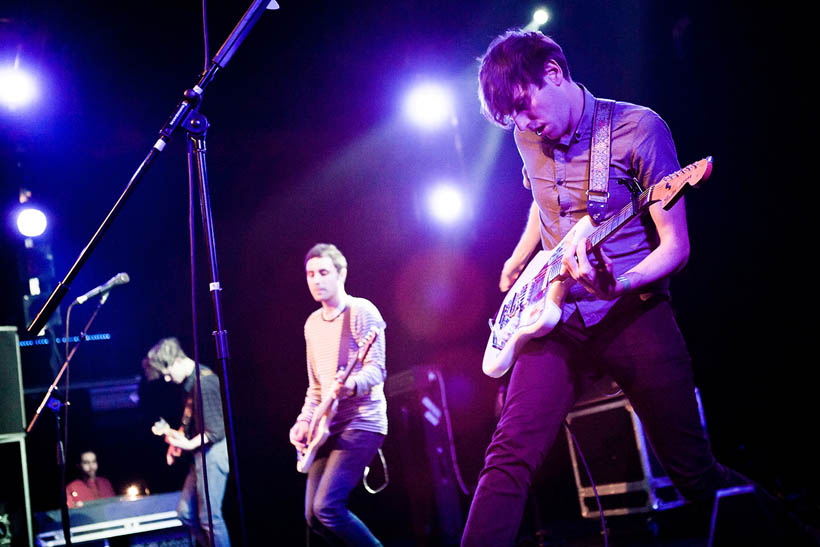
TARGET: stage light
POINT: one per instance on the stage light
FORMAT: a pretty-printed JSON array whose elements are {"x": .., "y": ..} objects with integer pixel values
[
  {"x": 17, "y": 88},
  {"x": 135, "y": 491},
  {"x": 540, "y": 17},
  {"x": 31, "y": 222},
  {"x": 446, "y": 203},
  {"x": 429, "y": 105}
]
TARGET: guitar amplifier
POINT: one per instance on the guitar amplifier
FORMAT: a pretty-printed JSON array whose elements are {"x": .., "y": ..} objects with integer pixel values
[
  {"x": 12, "y": 418},
  {"x": 627, "y": 474}
]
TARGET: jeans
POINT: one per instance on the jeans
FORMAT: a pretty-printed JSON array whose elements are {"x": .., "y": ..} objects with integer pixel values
[
  {"x": 338, "y": 467},
  {"x": 192, "y": 508},
  {"x": 639, "y": 345}
]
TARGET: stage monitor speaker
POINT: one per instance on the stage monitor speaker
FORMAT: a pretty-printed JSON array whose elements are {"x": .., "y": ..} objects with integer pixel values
[
  {"x": 748, "y": 516},
  {"x": 432, "y": 484},
  {"x": 12, "y": 411}
]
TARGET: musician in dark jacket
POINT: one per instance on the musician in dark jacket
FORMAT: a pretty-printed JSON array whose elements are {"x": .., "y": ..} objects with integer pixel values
[{"x": 168, "y": 361}]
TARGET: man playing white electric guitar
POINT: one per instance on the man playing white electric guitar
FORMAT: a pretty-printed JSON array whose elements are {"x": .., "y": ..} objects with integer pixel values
[
  {"x": 335, "y": 447},
  {"x": 585, "y": 157}
]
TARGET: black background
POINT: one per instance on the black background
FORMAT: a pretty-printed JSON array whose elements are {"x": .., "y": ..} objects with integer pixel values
[{"x": 308, "y": 144}]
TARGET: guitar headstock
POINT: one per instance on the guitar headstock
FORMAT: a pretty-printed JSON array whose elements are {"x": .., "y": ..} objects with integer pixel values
[
  {"x": 670, "y": 189},
  {"x": 160, "y": 427},
  {"x": 366, "y": 342}
]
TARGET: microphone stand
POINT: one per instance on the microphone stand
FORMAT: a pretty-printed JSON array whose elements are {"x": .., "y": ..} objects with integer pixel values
[
  {"x": 185, "y": 115},
  {"x": 183, "y": 110},
  {"x": 56, "y": 406}
]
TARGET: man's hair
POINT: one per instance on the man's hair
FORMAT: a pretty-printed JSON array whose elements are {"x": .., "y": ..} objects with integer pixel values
[
  {"x": 83, "y": 453},
  {"x": 327, "y": 249},
  {"x": 160, "y": 357},
  {"x": 513, "y": 61}
]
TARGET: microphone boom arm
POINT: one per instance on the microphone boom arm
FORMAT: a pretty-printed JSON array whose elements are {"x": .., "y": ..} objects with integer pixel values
[{"x": 192, "y": 98}]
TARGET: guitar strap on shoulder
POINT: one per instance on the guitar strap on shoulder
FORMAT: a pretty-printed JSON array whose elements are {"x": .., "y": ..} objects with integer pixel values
[
  {"x": 599, "y": 155},
  {"x": 344, "y": 343}
]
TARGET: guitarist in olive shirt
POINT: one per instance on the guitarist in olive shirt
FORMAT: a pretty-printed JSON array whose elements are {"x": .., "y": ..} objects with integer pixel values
[{"x": 332, "y": 335}]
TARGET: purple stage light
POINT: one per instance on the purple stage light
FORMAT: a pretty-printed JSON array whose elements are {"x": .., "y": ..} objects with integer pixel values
[
  {"x": 446, "y": 203},
  {"x": 429, "y": 105}
]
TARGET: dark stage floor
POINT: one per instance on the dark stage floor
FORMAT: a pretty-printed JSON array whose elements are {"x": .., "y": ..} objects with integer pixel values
[{"x": 740, "y": 522}]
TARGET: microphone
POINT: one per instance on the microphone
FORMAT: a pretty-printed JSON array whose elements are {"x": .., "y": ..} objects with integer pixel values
[{"x": 119, "y": 279}]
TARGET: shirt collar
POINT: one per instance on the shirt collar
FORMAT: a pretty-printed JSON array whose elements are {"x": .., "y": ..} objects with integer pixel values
[{"x": 584, "y": 128}]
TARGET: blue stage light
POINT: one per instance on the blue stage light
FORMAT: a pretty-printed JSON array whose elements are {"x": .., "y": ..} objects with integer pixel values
[
  {"x": 17, "y": 88},
  {"x": 31, "y": 222}
]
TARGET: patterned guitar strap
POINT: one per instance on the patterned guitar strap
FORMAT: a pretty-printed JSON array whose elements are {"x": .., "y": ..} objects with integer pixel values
[
  {"x": 344, "y": 342},
  {"x": 599, "y": 156}
]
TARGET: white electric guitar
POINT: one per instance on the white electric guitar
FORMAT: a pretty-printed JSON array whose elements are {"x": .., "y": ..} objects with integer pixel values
[
  {"x": 319, "y": 429},
  {"x": 532, "y": 307}
]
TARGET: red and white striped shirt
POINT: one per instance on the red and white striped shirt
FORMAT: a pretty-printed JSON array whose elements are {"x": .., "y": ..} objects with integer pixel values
[{"x": 367, "y": 409}]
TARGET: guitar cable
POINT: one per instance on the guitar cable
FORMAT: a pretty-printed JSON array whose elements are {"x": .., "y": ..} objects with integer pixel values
[
  {"x": 450, "y": 441},
  {"x": 592, "y": 482},
  {"x": 386, "y": 476}
]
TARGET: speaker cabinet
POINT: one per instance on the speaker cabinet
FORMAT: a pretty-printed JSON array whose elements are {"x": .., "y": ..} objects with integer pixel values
[
  {"x": 628, "y": 475},
  {"x": 12, "y": 413},
  {"x": 422, "y": 420}
]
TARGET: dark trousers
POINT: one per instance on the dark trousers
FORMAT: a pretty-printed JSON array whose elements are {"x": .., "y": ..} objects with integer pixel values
[
  {"x": 338, "y": 468},
  {"x": 639, "y": 345}
]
